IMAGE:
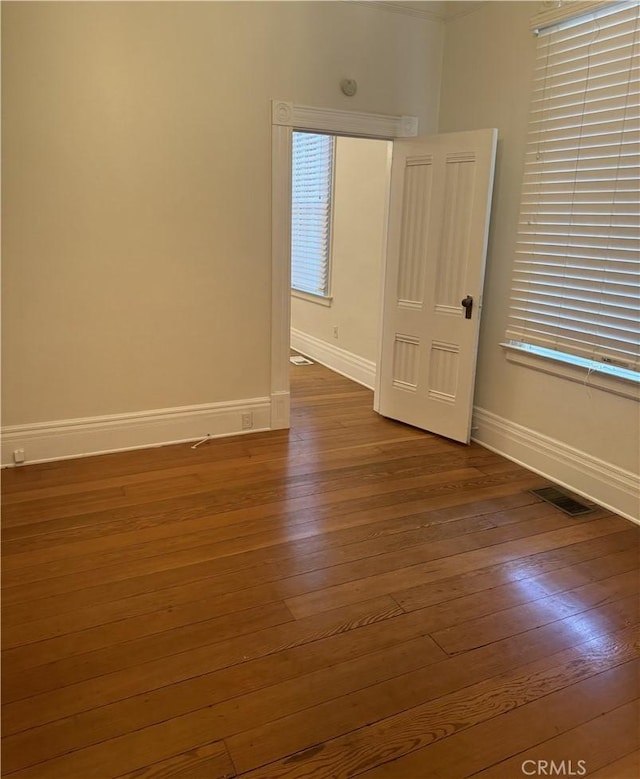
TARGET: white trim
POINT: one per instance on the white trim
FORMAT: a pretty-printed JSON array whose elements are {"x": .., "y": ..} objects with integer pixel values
[
  {"x": 82, "y": 437},
  {"x": 606, "y": 484},
  {"x": 339, "y": 360},
  {"x": 320, "y": 300},
  {"x": 335, "y": 120},
  {"x": 566, "y": 370},
  {"x": 280, "y": 406},
  {"x": 280, "y": 271},
  {"x": 383, "y": 274},
  {"x": 285, "y": 117}
]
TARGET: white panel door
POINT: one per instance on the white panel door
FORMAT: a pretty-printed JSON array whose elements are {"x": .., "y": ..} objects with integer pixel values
[{"x": 436, "y": 247}]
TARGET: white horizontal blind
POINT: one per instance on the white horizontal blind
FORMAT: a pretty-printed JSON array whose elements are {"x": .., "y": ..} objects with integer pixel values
[
  {"x": 576, "y": 287},
  {"x": 312, "y": 174}
]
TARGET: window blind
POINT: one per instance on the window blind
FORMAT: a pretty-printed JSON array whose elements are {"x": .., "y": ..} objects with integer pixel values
[
  {"x": 312, "y": 174},
  {"x": 576, "y": 286}
]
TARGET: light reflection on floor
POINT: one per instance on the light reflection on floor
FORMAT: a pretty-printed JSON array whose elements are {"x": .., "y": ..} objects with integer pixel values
[{"x": 585, "y": 625}]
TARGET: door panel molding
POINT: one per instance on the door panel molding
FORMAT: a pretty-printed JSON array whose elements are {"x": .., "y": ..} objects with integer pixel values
[{"x": 285, "y": 118}]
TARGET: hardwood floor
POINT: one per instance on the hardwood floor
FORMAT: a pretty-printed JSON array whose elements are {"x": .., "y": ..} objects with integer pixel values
[{"x": 349, "y": 598}]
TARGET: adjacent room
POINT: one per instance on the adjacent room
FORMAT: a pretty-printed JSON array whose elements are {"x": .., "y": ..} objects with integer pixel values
[{"x": 414, "y": 553}]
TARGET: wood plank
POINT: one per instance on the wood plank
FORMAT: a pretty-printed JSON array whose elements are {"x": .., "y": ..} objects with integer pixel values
[
  {"x": 228, "y": 454},
  {"x": 234, "y": 674},
  {"x": 240, "y": 592},
  {"x": 577, "y": 558},
  {"x": 89, "y": 638},
  {"x": 92, "y": 555},
  {"x": 45, "y": 531},
  {"x": 210, "y": 761},
  {"x": 314, "y": 478},
  {"x": 443, "y": 559},
  {"x": 500, "y": 738},
  {"x": 125, "y": 754},
  {"x": 243, "y": 505},
  {"x": 260, "y": 468},
  {"x": 233, "y": 573},
  {"x": 233, "y": 553},
  {"x": 356, "y": 750},
  {"x": 498, "y": 610},
  {"x": 221, "y": 456},
  {"x": 127, "y": 560},
  {"x": 627, "y": 767},
  {"x": 239, "y": 674},
  {"x": 225, "y": 717},
  {"x": 167, "y": 635},
  {"x": 583, "y": 749},
  {"x": 527, "y": 615},
  {"x": 186, "y": 665},
  {"x": 56, "y": 507}
]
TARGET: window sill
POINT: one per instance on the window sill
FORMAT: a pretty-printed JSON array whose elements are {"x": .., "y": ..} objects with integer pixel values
[
  {"x": 321, "y": 300},
  {"x": 556, "y": 366}
]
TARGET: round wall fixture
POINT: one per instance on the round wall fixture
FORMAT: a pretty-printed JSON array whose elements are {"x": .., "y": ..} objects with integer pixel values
[{"x": 349, "y": 86}]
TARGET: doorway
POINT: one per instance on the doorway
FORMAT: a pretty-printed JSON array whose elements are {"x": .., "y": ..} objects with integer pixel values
[
  {"x": 285, "y": 118},
  {"x": 439, "y": 205},
  {"x": 335, "y": 320}
]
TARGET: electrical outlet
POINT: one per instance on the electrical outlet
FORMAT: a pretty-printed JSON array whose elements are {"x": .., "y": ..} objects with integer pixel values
[
  {"x": 18, "y": 456},
  {"x": 335, "y": 331},
  {"x": 247, "y": 420}
]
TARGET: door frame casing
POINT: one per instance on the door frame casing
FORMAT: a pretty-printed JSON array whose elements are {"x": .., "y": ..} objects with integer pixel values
[{"x": 285, "y": 118}]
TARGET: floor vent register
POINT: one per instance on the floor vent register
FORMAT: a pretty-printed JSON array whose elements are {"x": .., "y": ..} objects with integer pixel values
[{"x": 562, "y": 500}]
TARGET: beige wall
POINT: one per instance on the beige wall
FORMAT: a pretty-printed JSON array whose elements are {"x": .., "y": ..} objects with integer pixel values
[
  {"x": 359, "y": 215},
  {"x": 487, "y": 73},
  {"x": 136, "y": 186}
]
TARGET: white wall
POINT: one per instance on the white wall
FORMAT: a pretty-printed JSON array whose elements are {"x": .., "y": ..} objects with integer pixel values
[
  {"x": 358, "y": 221},
  {"x": 578, "y": 435},
  {"x": 136, "y": 187}
]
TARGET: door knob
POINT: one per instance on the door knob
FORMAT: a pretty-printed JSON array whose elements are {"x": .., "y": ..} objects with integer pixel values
[{"x": 467, "y": 304}]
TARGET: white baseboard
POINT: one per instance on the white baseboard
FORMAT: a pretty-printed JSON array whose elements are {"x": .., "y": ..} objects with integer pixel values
[
  {"x": 68, "y": 438},
  {"x": 339, "y": 360},
  {"x": 608, "y": 485},
  {"x": 280, "y": 410}
]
